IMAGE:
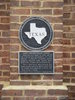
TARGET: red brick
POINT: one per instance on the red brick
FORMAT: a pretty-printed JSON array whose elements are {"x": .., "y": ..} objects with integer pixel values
[
  {"x": 23, "y": 18},
  {"x": 34, "y": 92},
  {"x": 14, "y": 62},
  {"x": 55, "y": 48},
  {"x": 57, "y": 41},
  {"x": 0, "y": 47},
  {"x": 72, "y": 48},
  {"x": 44, "y": 82},
  {"x": 69, "y": 35},
  {"x": 14, "y": 18},
  {"x": 66, "y": 61},
  {"x": 6, "y": 34},
  {"x": 46, "y": 98},
  {"x": 57, "y": 92},
  {"x": 71, "y": 88},
  {"x": 2, "y": 6},
  {"x": 58, "y": 69},
  {"x": 6, "y": 79},
  {"x": 66, "y": 29},
  {"x": 5, "y": 60},
  {"x": 73, "y": 55},
  {"x": 71, "y": 94},
  {"x": 14, "y": 76},
  {"x": 7, "y": 47},
  {"x": 69, "y": 22},
  {"x": 66, "y": 42},
  {"x": 73, "y": 15},
  {"x": 12, "y": 92},
  {"x": 73, "y": 1},
  {"x": 3, "y": 1},
  {"x": 69, "y": 74},
  {"x": 20, "y": 11},
  {"x": 73, "y": 81},
  {"x": 57, "y": 76},
  {"x": 13, "y": 69},
  {"x": 55, "y": 82},
  {"x": 58, "y": 34},
  {"x": 65, "y": 48},
  {"x": 66, "y": 15},
  {"x": 5, "y": 20},
  {"x": 66, "y": 80},
  {"x": 4, "y": 54},
  {"x": 4, "y": 67},
  {"x": 67, "y": 1},
  {"x": 72, "y": 61},
  {"x": 1, "y": 86},
  {"x": 6, "y": 73},
  {"x": 73, "y": 68},
  {"x": 5, "y": 98},
  {"x": 73, "y": 41},
  {"x": 14, "y": 3},
  {"x": 57, "y": 11},
  {"x": 15, "y": 26},
  {"x": 47, "y": 77},
  {"x": 73, "y": 8},
  {"x": 4, "y": 27},
  {"x": 14, "y": 55},
  {"x": 4, "y": 13},
  {"x": 14, "y": 47},
  {"x": 58, "y": 62},
  {"x": 42, "y": 11},
  {"x": 58, "y": 26},
  {"x": 54, "y": 19},
  {"x": 20, "y": 83},
  {"x": 4, "y": 40},
  {"x": 52, "y": 4},
  {"x": 30, "y": 3},
  {"x": 30, "y": 77},
  {"x": 23, "y": 98},
  {"x": 0, "y": 73},
  {"x": 67, "y": 9},
  {"x": 66, "y": 55},
  {"x": 66, "y": 67},
  {"x": 14, "y": 33},
  {"x": 14, "y": 39},
  {"x": 8, "y": 6},
  {"x": 58, "y": 55}
]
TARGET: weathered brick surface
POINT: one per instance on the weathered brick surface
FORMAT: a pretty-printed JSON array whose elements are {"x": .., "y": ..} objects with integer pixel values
[
  {"x": 4, "y": 41},
  {"x": 20, "y": 10},
  {"x": 12, "y": 92},
  {"x": 34, "y": 94},
  {"x": 63, "y": 43},
  {"x": 69, "y": 47}
]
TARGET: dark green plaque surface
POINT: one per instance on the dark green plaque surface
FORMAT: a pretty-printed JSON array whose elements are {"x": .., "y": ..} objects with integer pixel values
[{"x": 36, "y": 62}]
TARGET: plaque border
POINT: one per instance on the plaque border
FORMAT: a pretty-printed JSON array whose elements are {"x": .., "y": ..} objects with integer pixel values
[
  {"x": 32, "y": 48},
  {"x": 35, "y": 73}
]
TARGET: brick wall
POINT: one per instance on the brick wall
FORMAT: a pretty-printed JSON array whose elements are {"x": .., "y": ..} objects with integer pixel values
[
  {"x": 69, "y": 46},
  {"x": 51, "y": 10},
  {"x": 4, "y": 41}
]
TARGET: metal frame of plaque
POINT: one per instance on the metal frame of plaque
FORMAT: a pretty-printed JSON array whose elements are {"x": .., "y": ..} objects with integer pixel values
[
  {"x": 49, "y": 36},
  {"x": 29, "y": 73}
]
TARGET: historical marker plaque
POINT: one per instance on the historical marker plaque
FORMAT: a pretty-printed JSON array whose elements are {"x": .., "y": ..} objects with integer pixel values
[
  {"x": 36, "y": 62},
  {"x": 36, "y": 33}
]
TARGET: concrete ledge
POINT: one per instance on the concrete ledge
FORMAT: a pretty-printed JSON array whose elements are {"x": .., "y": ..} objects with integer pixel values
[
  {"x": 35, "y": 93},
  {"x": 61, "y": 87}
]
